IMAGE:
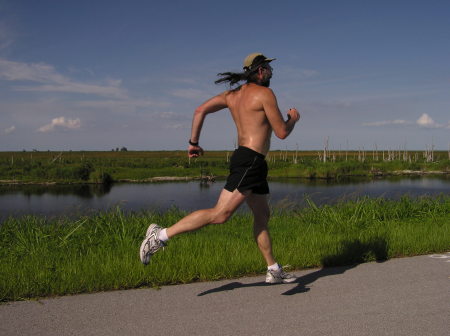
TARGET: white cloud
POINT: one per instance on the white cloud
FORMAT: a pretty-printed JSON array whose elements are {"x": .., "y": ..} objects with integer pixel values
[
  {"x": 49, "y": 80},
  {"x": 424, "y": 121},
  {"x": 122, "y": 104},
  {"x": 177, "y": 126},
  {"x": 172, "y": 116},
  {"x": 171, "y": 120},
  {"x": 193, "y": 94},
  {"x": 71, "y": 87},
  {"x": 35, "y": 72},
  {"x": 388, "y": 122},
  {"x": 9, "y": 129},
  {"x": 169, "y": 115},
  {"x": 61, "y": 122}
]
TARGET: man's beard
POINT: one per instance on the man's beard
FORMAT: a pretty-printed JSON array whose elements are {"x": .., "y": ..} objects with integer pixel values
[{"x": 265, "y": 82}]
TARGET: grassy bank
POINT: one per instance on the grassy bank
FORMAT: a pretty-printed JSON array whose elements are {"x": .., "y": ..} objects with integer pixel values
[
  {"x": 42, "y": 257},
  {"x": 105, "y": 167}
]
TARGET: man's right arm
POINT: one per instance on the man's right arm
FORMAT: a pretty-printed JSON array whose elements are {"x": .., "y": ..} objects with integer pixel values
[
  {"x": 280, "y": 127},
  {"x": 211, "y": 105}
]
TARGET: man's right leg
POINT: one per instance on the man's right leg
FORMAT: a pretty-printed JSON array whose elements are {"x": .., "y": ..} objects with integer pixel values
[{"x": 226, "y": 205}]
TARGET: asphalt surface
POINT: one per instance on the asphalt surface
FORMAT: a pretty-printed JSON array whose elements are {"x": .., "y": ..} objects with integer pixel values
[{"x": 406, "y": 296}]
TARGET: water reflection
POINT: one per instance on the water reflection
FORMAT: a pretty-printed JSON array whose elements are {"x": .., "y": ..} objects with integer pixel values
[
  {"x": 288, "y": 193},
  {"x": 56, "y": 200},
  {"x": 80, "y": 190}
]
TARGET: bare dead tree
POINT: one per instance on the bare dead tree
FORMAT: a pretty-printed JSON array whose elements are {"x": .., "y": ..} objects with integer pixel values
[{"x": 325, "y": 149}]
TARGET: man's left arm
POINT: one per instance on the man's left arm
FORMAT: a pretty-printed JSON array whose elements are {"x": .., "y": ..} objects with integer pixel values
[
  {"x": 280, "y": 127},
  {"x": 212, "y": 105}
]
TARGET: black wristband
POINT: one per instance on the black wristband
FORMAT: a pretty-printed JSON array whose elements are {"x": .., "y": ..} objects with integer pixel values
[{"x": 193, "y": 143}]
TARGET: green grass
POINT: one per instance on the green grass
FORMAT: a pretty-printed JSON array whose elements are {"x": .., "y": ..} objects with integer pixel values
[
  {"x": 103, "y": 167},
  {"x": 46, "y": 257}
]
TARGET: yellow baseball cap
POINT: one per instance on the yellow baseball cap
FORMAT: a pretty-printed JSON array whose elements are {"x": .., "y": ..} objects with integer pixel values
[{"x": 255, "y": 59}]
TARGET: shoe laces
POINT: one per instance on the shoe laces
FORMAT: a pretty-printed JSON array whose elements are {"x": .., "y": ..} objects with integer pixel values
[
  {"x": 159, "y": 244},
  {"x": 281, "y": 272}
]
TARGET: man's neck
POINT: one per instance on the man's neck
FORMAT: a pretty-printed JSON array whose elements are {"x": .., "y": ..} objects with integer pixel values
[{"x": 259, "y": 84}]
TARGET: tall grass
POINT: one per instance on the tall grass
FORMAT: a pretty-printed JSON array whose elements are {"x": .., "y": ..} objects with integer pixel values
[{"x": 45, "y": 257}]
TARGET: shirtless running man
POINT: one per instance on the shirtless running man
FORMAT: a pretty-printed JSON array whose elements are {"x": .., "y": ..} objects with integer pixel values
[{"x": 255, "y": 112}]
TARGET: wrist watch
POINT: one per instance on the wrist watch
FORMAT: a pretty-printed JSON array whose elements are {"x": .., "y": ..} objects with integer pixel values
[{"x": 193, "y": 143}]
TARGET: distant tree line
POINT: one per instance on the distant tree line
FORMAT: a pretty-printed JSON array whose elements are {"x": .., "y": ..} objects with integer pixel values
[{"x": 123, "y": 149}]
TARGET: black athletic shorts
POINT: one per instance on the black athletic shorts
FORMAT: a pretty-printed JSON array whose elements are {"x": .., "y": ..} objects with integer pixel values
[{"x": 248, "y": 171}]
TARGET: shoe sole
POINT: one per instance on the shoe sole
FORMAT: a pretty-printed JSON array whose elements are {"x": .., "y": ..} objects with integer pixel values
[
  {"x": 273, "y": 280},
  {"x": 288, "y": 281},
  {"x": 280, "y": 281}
]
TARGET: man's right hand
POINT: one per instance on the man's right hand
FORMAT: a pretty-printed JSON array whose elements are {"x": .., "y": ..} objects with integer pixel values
[
  {"x": 195, "y": 151},
  {"x": 293, "y": 114}
]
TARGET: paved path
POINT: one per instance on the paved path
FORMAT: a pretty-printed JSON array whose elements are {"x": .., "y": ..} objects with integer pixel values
[{"x": 407, "y": 296}]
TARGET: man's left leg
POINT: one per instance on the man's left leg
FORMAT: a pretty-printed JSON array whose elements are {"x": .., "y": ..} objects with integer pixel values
[{"x": 261, "y": 213}]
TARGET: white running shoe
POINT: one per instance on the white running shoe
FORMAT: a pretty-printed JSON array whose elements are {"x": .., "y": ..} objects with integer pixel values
[
  {"x": 151, "y": 243},
  {"x": 279, "y": 276}
]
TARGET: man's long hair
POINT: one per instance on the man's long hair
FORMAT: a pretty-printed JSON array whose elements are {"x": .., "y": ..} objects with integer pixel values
[
  {"x": 248, "y": 75},
  {"x": 236, "y": 77}
]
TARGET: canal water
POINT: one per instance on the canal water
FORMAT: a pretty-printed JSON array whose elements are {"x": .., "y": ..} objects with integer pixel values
[{"x": 74, "y": 200}]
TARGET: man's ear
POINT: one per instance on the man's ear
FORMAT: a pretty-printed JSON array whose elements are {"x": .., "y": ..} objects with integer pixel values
[{"x": 260, "y": 71}]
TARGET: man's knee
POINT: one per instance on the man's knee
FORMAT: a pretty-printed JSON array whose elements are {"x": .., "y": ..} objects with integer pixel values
[
  {"x": 222, "y": 216},
  {"x": 262, "y": 215}
]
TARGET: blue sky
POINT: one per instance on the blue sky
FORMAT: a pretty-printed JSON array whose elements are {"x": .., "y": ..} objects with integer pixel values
[{"x": 96, "y": 75}]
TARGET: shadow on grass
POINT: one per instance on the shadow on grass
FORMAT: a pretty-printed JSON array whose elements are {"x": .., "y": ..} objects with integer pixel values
[{"x": 352, "y": 254}]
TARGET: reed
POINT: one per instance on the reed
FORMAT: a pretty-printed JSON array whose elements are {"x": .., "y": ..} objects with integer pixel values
[{"x": 44, "y": 257}]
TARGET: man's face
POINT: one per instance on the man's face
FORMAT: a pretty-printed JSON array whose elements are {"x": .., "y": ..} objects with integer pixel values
[{"x": 266, "y": 75}]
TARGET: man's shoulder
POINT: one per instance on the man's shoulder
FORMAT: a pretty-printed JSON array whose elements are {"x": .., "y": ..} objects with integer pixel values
[
  {"x": 246, "y": 91},
  {"x": 262, "y": 93},
  {"x": 258, "y": 89}
]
